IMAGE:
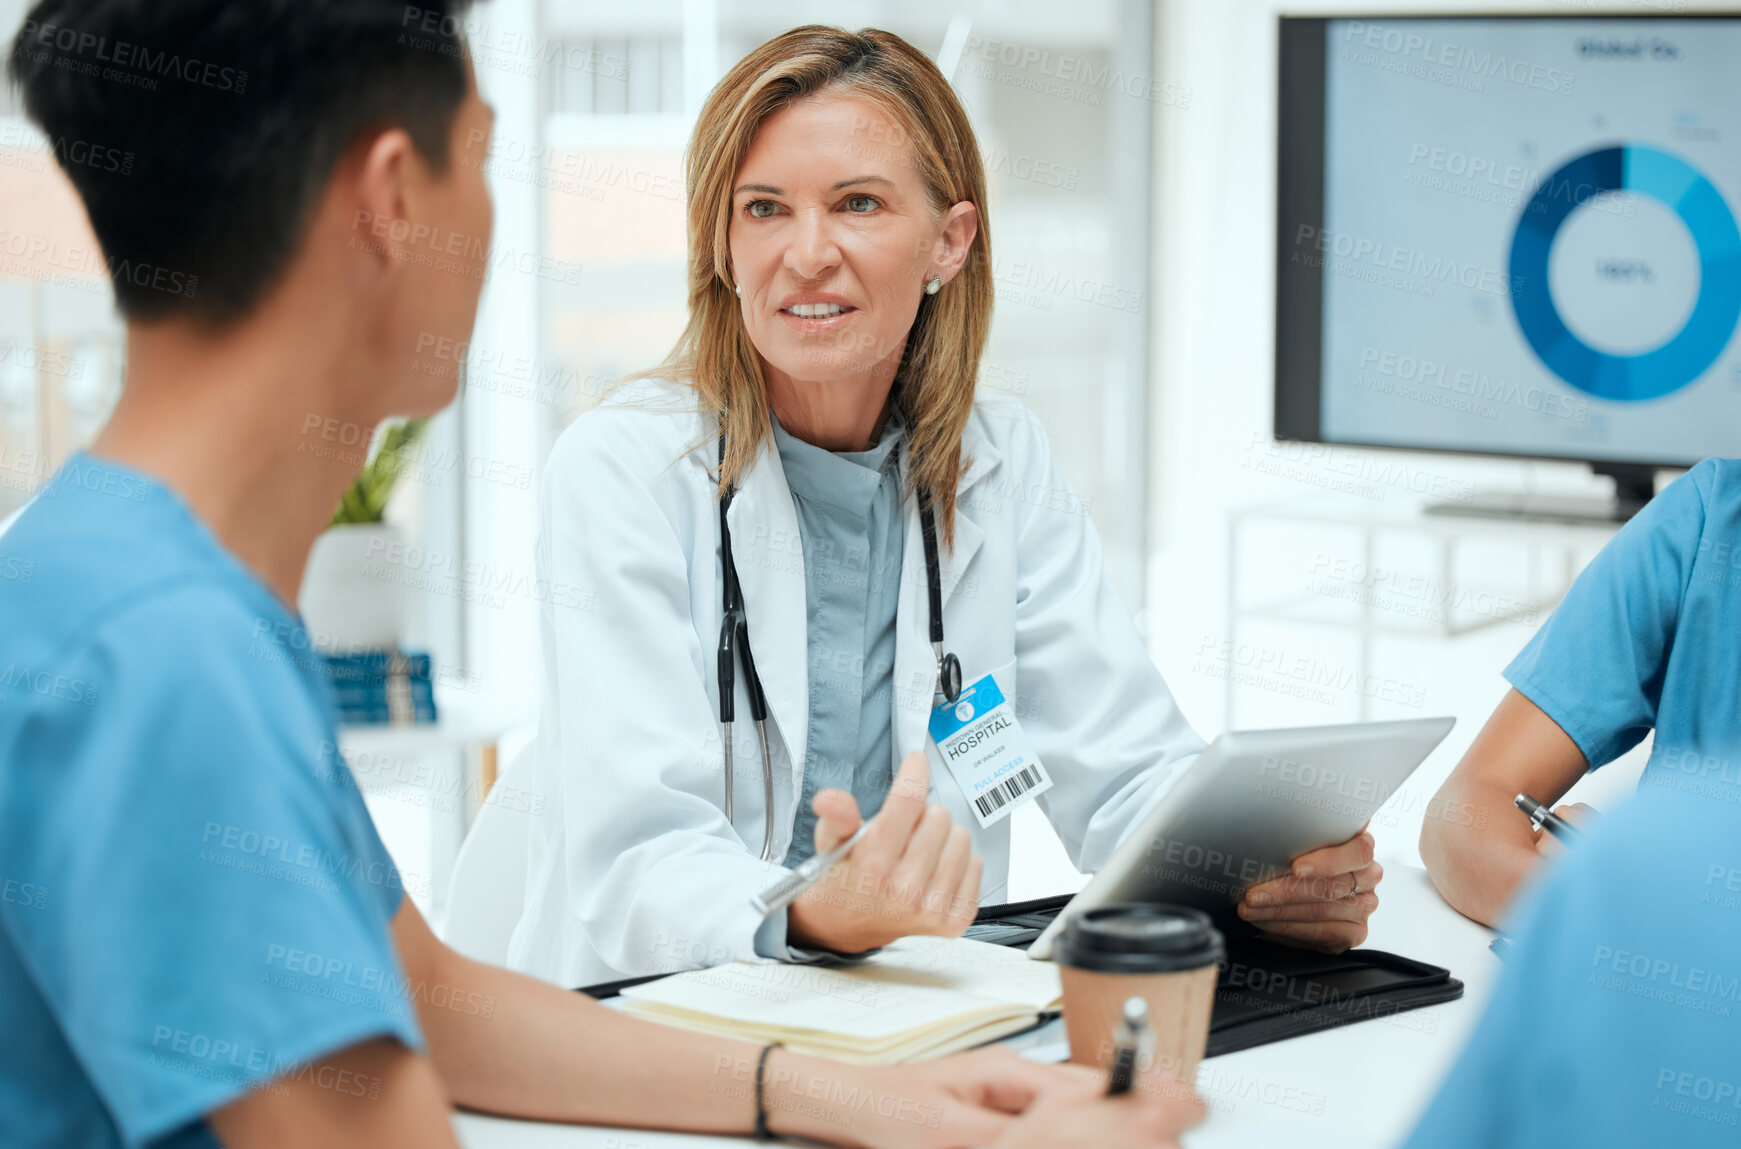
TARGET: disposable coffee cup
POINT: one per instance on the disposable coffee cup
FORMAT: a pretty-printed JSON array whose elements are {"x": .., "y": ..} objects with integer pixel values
[{"x": 1166, "y": 955}]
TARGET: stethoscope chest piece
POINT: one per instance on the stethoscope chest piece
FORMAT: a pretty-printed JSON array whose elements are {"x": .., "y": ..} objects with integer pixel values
[{"x": 949, "y": 676}]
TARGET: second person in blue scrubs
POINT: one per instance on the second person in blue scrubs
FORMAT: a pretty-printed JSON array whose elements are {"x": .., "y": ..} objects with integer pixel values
[
  {"x": 1645, "y": 642},
  {"x": 1617, "y": 1020}
]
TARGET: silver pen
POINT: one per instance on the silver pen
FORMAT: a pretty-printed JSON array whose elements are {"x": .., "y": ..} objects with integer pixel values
[
  {"x": 1542, "y": 817},
  {"x": 1133, "y": 1042},
  {"x": 785, "y": 891}
]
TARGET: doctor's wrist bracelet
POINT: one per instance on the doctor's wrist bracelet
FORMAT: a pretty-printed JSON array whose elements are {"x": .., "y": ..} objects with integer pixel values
[{"x": 762, "y": 1131}]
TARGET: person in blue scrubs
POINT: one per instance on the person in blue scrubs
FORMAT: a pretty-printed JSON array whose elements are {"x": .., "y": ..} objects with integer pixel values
[
  {"x": 195, "y": 900},
  {"x": 202, "y": 938},
  {"x": 1617, "y": 1020},
  {"x": 1643, "y": 643}
]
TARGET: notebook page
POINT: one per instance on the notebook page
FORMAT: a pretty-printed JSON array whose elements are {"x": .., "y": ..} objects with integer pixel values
[
  {"x": 917, "y": 1044},
  {"x": 916, "y": 982},
  {"x": 995, "y": 973}
]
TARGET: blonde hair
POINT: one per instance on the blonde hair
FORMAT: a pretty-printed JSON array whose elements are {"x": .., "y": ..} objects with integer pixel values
[{"x": 935, "y": 381}]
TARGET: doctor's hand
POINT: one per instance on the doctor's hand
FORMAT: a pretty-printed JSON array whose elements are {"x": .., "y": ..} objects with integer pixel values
[
  {"x": 1325, "y": 902},
  {"x": 914, "y": 872}
]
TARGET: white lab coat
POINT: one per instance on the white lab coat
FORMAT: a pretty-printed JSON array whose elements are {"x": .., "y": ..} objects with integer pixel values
[{"x": 633, "y": 867}]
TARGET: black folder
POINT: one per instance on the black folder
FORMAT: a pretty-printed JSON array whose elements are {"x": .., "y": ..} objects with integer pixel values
[{"x": 1268, "y": 991}]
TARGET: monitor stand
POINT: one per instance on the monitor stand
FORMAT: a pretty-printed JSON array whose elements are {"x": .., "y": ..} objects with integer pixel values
[{"x": 1634, "y": 486}]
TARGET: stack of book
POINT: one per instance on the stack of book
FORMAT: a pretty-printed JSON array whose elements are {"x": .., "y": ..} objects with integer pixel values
[{"x": 382, "y": 687}]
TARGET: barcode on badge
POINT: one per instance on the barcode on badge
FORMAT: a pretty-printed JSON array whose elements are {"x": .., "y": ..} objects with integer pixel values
[{"x": 1012, "y": 787}]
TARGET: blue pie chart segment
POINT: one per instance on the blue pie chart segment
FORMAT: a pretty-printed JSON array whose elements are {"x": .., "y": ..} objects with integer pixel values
[{"x": 1690, "y": 352}]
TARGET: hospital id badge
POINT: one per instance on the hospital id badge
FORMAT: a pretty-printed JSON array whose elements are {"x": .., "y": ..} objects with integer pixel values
[{"x": 987, "y": 750}]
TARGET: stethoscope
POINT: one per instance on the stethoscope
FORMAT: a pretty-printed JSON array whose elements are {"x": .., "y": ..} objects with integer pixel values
[{"x": 734, "y": 643}]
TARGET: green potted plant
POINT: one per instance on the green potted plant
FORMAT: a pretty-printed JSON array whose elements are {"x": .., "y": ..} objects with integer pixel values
[
  {"x": 366, "y": 500},
  {"x": 352, "y": 596}
]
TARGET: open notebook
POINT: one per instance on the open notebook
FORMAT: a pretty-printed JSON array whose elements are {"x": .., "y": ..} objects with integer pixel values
[{"x": 920, "y": 997}]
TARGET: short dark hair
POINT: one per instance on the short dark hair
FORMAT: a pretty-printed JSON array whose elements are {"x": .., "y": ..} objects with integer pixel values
[{"x": 201, "y": 134}]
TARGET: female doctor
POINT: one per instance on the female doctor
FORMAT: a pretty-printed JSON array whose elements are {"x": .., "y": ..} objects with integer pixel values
[{"x": 897, "y": 553}]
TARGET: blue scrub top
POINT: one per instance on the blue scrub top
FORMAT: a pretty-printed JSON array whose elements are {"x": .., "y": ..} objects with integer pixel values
[
  {"x": 1649, "y": 637},
  {"x": 1617, "y": 1019},
  {"x": 193, "y": 899},
  {"x": 849, "y": 525}
]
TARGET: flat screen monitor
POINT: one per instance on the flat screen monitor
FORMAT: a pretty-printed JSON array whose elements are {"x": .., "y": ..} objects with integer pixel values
[{"x": 1512, "y": 236}]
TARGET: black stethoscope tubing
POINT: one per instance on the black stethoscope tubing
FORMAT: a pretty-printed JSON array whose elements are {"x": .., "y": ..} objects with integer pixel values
[{"x": 734, "y": 644}]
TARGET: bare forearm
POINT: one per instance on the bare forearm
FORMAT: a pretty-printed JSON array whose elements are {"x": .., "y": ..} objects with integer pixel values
[
  {"x": 520, "y": 1047},
  {"x": 1478, "y": 862},
  {"x": 1478, "y": 848},
  {"x": 377, "y": 1095}
]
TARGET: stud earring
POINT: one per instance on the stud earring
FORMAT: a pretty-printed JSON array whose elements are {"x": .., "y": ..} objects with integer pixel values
[
  {"x": 740, "y": 290},
  {"x": 934, "y": 285}
]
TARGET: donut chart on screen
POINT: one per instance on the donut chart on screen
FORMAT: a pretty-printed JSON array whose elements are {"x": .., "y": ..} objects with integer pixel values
[{"x": 1687, "y": 354}]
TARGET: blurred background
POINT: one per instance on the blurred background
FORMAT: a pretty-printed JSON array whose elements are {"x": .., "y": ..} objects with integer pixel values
[{"x": 1131, "y": 153}]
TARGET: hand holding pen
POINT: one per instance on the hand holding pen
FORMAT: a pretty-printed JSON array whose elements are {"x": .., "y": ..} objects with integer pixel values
[
  {"x": 911, "y": 870},
  {"x": 1555, "y": 827},
  {"x": 810, "y": 871}
]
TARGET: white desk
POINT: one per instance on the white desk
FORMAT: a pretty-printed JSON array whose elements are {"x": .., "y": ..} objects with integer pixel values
[
  {"x": 1358, "y": 1087},
  {"x": 1369, "y": 1081}
]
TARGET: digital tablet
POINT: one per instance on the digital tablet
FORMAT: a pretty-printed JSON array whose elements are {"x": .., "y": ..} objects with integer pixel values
[{"x": 1248, "y": 806}]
